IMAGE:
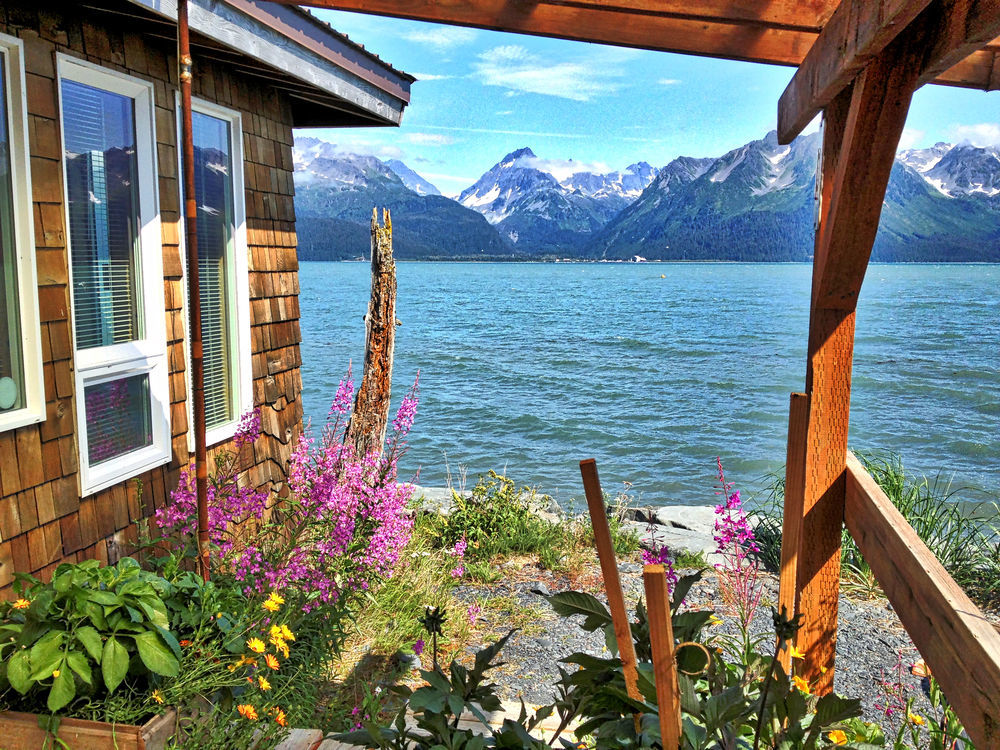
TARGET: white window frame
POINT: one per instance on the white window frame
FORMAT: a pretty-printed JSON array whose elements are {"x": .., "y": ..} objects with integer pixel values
[
  {"x": 33, "y": 410},
  {"x": 242, "y": 363},
  {"x": 146, "y": 356}
]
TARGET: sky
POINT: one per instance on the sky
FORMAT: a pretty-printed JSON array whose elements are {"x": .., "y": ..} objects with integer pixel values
[{"x": 482, "y": 94}]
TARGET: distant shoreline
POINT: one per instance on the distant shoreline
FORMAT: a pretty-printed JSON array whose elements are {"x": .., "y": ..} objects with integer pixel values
[{"x": 525, "y": 261}]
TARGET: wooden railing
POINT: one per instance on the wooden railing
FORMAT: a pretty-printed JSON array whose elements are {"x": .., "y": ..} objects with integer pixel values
[{"x": 956, "y": 640}]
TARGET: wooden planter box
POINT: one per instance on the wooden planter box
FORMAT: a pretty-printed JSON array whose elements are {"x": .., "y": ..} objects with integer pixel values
[{"x": 20, "y": 731}]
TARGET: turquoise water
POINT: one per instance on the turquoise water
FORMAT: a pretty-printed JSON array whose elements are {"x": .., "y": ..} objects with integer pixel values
[{"x": 529, "y": 368}]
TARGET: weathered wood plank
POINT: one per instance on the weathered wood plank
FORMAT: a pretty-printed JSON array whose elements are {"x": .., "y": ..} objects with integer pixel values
[
  {"x": 612, "y": 580},
  {"x": 661, "y": 638},
  {"x": 942, "y": 33},
  {"x": 951, "y": 633},
  {"x": 795, "y": 487}
]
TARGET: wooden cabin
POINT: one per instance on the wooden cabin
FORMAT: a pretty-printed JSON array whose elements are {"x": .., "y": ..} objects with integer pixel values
[{"x": 94, "y": 385}]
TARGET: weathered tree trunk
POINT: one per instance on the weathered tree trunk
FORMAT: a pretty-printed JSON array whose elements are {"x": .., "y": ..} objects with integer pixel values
[{"x": 371, "y": 406}]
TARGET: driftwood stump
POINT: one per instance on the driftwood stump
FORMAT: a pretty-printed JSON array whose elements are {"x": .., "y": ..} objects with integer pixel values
[{"x": 367, "y": 428}]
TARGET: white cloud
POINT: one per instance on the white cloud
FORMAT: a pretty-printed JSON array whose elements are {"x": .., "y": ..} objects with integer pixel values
[
  {"x": 669, "y": 81},
  {"x": 430, "y": 77},
  {"x": 562, "y": 169},
  {"x": 513, "y": 67},
  {"x": 442, "y": 38},
  {"x": 910, "y": 138},
  {"x": 981, "y": 134},
  {"x": 505, "y": 112},
  {"x": 429, "y": 139}
]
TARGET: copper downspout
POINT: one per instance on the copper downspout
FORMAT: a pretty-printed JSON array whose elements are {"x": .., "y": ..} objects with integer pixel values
[{"x": 194, "y": 290}]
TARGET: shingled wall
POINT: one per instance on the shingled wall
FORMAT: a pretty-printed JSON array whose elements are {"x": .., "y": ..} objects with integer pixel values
[{"x": 43, "y": 519}]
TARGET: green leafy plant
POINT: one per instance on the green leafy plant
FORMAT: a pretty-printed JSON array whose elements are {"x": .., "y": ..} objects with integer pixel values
[{"x": 84, "y": 634}]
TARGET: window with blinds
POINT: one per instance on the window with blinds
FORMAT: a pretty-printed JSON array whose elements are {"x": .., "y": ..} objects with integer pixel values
[
  {"x": 103, "y": 208},
  {"x": 116, "y": 273},
  {"x": 213, "y": 176},
  {"x": 11, "y": 368}
]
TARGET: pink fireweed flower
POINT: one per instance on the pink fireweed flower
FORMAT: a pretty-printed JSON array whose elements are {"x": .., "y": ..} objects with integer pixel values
[
  {"x": 249, "y": 429},
  {"x": 418, "y": 647},
  {"x": 345, "y": 396},
  {"x": 736, "y": 544},
  {"x": 662, "y": 557},
  {"x": 473, "y": 613}
]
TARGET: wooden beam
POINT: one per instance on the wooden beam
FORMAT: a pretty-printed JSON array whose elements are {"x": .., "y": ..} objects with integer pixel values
[
  {"x": 939, "y": 33},
  {"x": 957, "y": 641},
  {"x": 880, "y": 100},
  {"x": 857, "y": 31},
  {"x": 702, "y": 27},
  {"x": 814, "y": 542}
]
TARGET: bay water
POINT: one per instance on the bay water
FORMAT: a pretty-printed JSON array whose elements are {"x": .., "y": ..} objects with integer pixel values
[{"x": 656, "y": 369}]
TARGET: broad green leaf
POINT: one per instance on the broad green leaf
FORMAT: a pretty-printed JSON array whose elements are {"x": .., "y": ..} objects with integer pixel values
[
  {"x": 79, "y": 664},
  {"x": 114, "y": 663},
  {"x": 63, "y": 690},
  {"x": 155, "y": 610},
  {"x": 62, "y": 582},
  {"x": 19, "y": 671},
  {"x": 91, "y": 640},
  {"x": 681, "y": 590},
  {"x": 427, "y": 699},
  {"x": 155, "y": 654},
  {"x": 170, "y": 640},
  {"x": 104, "y": 598},
  {"x": 568, "y": 603},
  {"x": 46, "y": 654}
]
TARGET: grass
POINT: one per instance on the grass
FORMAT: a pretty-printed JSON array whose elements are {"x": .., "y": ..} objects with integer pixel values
[{"x": 964, "y": 537}]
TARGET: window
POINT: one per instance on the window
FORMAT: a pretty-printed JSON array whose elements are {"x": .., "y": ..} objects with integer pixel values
[
  {"x": 21, "y": 390},
  {"x": 116, "y": 273},
  {"x": 222, "y": 268}
]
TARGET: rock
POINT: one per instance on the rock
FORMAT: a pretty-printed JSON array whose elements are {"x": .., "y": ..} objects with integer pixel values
[
  {"x": 541, "y": 589},
  {"x": 699, "y": 518},
  {"x": 435, "y": 499},
  {"x": 409, "y": 662}
]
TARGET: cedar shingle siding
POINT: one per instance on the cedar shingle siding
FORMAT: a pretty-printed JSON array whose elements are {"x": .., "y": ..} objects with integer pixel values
[{"x": 43, "y": 520}]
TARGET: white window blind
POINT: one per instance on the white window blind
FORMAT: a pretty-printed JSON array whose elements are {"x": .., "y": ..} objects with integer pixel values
[
  {"x": 103, "y": 207},
  {"x": 214, "y": 197}
]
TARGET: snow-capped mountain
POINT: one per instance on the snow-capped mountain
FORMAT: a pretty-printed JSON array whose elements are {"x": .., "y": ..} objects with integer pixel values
[
  {"x": 335, "y": 193},
  {"x": 756, "y": 202},
  {"x": 543, "y": 206},
  {"x": 961, "y": 170},
  {"x": 411, "y": 179}
]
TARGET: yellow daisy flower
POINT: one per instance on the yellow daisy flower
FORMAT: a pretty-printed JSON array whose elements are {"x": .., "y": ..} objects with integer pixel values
[
  {"x": 837, "y": 737},
  {"x": 157, "y": 696},
  {"x": 280, "y": 718},
  {"x": 21, "y": 604},
  {"x": 271, "y": 661},
  {"x": 801, "y": 684},
  {"x": 264, "y": 684},
  {"x": 55, "y": 673},
  {"x": 271, "y": 606},
  {"x": 796, "y": 653},
  {"x": 256, "y": 645},
  {"x": 916, "y": 719}
]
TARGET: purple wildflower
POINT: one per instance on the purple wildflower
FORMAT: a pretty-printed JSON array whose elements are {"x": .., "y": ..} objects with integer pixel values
[{"x": 418, "y": 647}]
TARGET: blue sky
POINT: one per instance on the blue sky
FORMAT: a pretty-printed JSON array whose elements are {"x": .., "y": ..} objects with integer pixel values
[{"x": 482, "y": 94}]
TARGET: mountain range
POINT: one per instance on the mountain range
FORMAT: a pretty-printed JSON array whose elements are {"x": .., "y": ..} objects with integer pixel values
[{"x": 754, "y": 203}]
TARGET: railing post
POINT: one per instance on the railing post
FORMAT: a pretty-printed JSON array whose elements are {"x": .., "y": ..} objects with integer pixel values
[{"x": 795, "y": 487}]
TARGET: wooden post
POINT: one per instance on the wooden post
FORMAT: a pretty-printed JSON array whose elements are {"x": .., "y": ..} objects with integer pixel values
[
  {"x": 863, "y": 126},
  {"x": 612, "y": 582},
  {"x": 194, "y": 288},
  {"x": 795, "y": 467},
  {"x": 661, "y": 638},
  {"x": 371, "y": 406}
]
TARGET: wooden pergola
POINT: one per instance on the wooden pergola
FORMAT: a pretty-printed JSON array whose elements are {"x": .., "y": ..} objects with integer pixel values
[{"x": 859, "y": 62}]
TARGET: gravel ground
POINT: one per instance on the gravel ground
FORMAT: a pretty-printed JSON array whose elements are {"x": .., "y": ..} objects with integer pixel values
[{"x": 870, "y": 645}]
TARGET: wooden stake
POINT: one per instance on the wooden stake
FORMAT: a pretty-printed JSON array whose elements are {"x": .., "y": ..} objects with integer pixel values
[
  {"x": 370, "y": 418},
  {"x": 612, "y": 583},
  {"x": 661, "y": 638},
  {"x": 795, "y": 482}
]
